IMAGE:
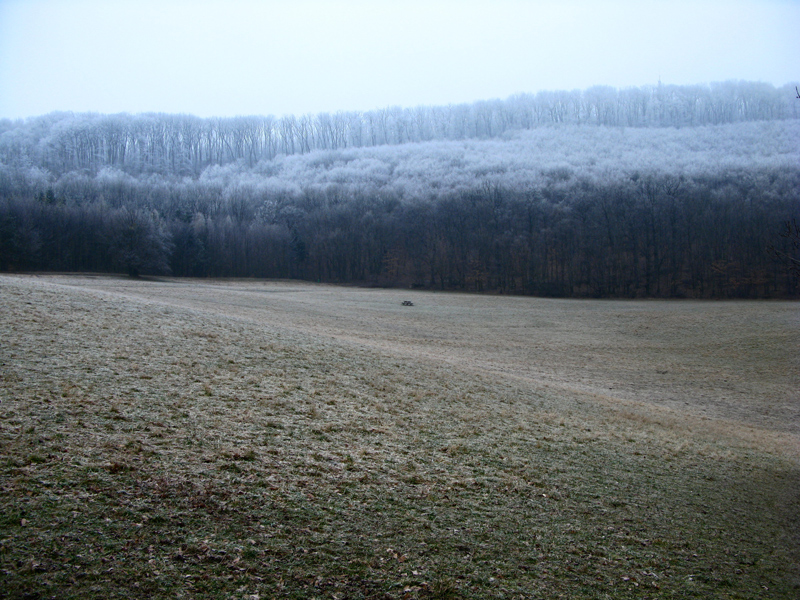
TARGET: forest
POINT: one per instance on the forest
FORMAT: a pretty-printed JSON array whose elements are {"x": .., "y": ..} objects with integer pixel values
[{"x": 658, "y": 191}]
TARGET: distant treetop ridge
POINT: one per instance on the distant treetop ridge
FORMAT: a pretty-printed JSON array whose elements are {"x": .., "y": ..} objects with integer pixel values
[{"x": 185, "y": 145}]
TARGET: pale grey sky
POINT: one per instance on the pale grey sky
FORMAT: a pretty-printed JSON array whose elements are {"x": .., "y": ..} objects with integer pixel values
[{"x": 239, "y": 57}]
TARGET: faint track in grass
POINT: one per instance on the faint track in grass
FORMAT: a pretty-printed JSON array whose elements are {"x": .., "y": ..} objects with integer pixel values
[{"x": 733, "y": 364}]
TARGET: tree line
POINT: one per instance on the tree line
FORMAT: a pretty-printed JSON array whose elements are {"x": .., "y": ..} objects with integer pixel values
[
  {"x": 184, "y": 145},
  {"x": 644, "y": 236},
  {"x": 562, "y": 210}
]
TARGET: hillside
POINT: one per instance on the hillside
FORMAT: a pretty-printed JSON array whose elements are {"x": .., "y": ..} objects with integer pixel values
[{"x": 558, "y": 209}]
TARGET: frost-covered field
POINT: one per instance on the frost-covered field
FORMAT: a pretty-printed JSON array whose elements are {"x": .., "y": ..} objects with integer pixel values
[{"x": 180, "y": 438}]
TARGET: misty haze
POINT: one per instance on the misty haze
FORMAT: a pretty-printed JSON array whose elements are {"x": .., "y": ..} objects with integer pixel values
[{"x": 463, "y": 309}]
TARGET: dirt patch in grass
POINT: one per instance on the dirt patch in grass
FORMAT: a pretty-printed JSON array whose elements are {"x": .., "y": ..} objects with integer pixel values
[{"x": 250, "y": 439}]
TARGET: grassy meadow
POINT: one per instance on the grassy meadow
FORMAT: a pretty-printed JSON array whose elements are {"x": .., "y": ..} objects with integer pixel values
[{"x": 256, "y": 439}]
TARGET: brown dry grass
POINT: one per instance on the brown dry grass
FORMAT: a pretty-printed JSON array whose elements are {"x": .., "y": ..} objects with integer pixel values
[{"x": 240, "y": 438}]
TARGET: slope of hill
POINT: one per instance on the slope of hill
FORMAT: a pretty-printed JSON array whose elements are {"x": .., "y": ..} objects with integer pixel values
[{"x": 568, "y": 210}]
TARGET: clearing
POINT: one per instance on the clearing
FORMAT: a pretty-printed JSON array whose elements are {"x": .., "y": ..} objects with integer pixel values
[{"x": 252, "y": 439}]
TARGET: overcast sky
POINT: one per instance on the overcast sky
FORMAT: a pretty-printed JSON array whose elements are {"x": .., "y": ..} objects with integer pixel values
[{"x": 239, "y": 57}]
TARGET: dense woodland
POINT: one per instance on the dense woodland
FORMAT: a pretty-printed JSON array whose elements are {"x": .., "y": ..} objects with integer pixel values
[{"x": 662, "y": 191}]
